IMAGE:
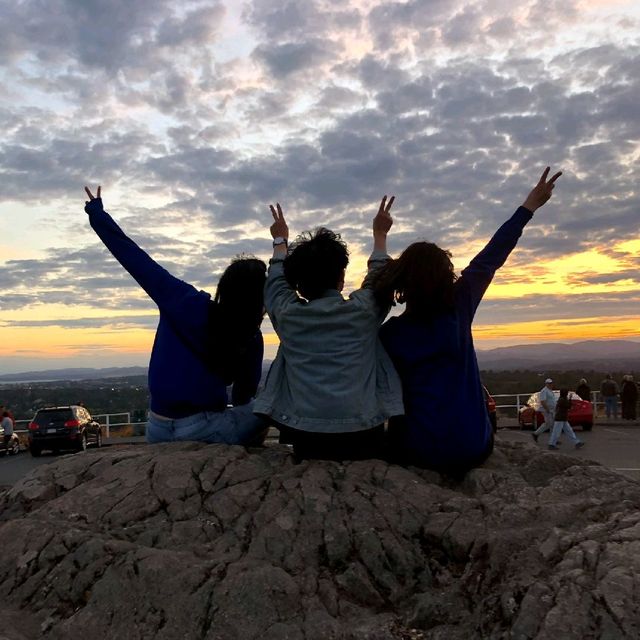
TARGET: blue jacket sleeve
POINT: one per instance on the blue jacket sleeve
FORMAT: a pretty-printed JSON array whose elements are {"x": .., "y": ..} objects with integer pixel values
[
  {"x": 249, "y": 370},
  {"x": 475, "y": 279},
  {"x": 163, "y": 288}
]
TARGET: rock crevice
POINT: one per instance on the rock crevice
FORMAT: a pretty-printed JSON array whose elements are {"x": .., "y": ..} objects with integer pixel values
[{"x": 218, "y": 542}]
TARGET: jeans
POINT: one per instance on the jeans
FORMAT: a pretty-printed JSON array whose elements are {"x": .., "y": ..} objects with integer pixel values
[
  {"x": 548, "y": 423},
  {"x": 558, "y": 428},
  {"x": 611, "y": 406},
  {"x": 236, "y": 425}
]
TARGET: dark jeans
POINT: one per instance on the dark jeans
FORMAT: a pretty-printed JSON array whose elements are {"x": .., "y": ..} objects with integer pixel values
[
  {"x": 397, "y": 453},
  {"x": 355, "y": 445}
]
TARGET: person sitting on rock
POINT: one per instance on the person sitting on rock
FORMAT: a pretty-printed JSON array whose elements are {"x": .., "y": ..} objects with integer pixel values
[
  {"x": 331, "y": 385},
  {"x": 201, "y": 345},
  {"x": 446, "y": 426}
]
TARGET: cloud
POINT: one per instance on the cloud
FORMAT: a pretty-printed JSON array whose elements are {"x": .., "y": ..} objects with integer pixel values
[
  {"x": 323, "y": 106},
  {"x": 111, "y": 322},
  {"x": 282, "y": 60},
  {"x": 110, "y": 36}
]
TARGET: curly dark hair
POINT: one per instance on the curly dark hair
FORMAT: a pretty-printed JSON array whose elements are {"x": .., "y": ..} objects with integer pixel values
[
  {"x": 422, "y": 277},
  {"x": 316, "y": 262}
]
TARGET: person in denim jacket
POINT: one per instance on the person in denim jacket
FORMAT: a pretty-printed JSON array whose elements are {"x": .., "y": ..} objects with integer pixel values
[{"x": 332, "y": 385}]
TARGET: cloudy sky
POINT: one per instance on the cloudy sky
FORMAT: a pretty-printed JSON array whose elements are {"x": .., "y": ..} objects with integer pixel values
[{"x": 193, "y": 116}]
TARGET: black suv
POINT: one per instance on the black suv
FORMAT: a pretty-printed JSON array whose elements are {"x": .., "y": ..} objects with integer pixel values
[{"x": 58, "y": 428}]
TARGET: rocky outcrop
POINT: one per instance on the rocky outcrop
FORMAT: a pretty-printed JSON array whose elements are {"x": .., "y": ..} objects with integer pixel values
[{"x": 187, "y": 541}]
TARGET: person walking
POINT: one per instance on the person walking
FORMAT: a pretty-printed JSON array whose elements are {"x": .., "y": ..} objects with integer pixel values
[
  {"x": 547, "y": 399},
  {"x": 561, "y": 422},
  {"x": 609, "y": 391},
  {"x": 629, "y": 398}
]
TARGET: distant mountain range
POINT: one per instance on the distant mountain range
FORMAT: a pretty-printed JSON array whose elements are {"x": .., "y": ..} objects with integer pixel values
[
  {"x": 616, "y": 355},
  {"x": 80, "y": 373}
]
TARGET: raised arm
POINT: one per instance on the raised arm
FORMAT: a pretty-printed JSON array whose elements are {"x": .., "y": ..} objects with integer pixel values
[
  {"x": 475, "y": 279},
  {"x": 381, "y": 225},
  {"x": 277, "y": 292},
  {"x": 159, "y": 284}
]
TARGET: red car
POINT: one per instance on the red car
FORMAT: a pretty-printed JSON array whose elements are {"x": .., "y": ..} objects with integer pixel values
[{"x": 580, "y": 414}]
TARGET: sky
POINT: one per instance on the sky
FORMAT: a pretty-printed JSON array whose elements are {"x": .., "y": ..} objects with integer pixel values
[{"x": 194, "y": 116}]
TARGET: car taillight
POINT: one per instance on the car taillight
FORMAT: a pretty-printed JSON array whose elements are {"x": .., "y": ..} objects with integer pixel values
[
  {"x": 72, "y": 423},
  {"x": 33, "y": 426}
]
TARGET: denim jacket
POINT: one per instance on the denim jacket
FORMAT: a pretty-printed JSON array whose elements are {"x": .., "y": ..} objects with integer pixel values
[{"x": 331, "y": 373}]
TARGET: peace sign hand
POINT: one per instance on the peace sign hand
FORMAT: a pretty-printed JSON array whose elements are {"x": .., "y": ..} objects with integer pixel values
[
  {"x": 91, "y": 195},
  {"x": 542, "y": 191},
  {"x": 93, "y": 204},
  {"x": 279, "y": 228},
  {"x": 383, "y": 220}
]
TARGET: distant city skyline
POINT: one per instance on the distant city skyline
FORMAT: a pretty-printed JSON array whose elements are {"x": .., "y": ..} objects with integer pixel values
[{"x": 195, "y": 116}]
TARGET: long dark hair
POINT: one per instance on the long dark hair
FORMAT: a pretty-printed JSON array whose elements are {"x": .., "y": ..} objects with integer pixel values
[
  {"x": 236, "y": 314},
  {"x": 316, "y": 262},
  {"x": 422, "y": 277}
]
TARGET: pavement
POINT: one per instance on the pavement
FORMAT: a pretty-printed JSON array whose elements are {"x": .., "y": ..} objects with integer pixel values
[{"x": 615, "y": 444}]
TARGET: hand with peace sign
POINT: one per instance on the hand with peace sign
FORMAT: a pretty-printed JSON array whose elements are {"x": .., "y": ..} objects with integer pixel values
[
  {"x": 383, "y": 220},
  {"x": 382, "y": 223},
  {"x": 279, "y": 228},
  {"x": 279, "y": 231},
  {"x": 93, "y": 203},
  {"x": 541, "y": 192}
]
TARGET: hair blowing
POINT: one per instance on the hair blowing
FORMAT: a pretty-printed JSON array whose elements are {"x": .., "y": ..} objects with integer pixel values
[
  {"x": 422, "y": 277},
  {"x": 316, "y": 262}
]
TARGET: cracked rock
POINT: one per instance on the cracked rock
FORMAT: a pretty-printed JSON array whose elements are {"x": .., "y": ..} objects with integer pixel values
[{"x": 216, "y": 542}]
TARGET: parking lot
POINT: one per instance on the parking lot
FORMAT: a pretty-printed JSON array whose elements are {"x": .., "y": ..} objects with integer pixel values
[{"x": 614, "y": 444}]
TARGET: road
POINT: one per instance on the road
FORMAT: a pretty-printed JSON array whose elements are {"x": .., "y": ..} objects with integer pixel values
[{"x": 615, "y": 445}]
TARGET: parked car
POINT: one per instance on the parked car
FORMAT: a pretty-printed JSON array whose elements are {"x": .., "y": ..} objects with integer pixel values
[
  {"x": 491, "y": 408},
  {"x": 56, "y": 428},
  {"x": 580, "y": 414}
]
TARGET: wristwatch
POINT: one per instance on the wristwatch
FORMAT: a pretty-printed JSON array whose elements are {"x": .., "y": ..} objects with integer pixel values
[{"x": 278, "y": 241}]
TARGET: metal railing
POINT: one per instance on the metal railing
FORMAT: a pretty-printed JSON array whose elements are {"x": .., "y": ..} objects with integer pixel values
[
  {"x": 108, "y": 422},
  {"x": 522, "y": 398},
  {"x": 518, "y": 400}
]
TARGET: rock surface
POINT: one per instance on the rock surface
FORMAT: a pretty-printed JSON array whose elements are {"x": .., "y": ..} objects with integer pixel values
[{"x": 189, "y": 541}]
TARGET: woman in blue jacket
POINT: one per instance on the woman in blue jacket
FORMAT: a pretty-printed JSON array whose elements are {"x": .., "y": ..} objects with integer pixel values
[
  {"x": 201, "y": 345},
  {"x": 446, "y": 426}
]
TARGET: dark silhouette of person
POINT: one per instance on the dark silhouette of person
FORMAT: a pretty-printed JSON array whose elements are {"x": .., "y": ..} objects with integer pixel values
[
  {"x": 446, "y": 426},
  {"x": 201, "y": 345},
  {"x": 584, "y": 390}
]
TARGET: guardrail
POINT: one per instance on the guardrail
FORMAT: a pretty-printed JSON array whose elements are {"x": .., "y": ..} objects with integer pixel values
[
  {"x": 522, "y": 398},
  {"x": 109, "y": 420}
]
